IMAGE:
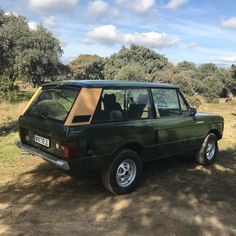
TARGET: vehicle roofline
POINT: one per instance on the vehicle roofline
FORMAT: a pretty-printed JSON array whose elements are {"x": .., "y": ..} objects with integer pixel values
[{"x": 108, "y": 84}]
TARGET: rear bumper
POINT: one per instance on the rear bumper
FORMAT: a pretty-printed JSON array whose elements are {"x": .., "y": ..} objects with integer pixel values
[{"x": 48, "y": 157}]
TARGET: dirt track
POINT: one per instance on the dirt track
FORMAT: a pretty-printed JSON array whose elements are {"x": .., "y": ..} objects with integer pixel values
[{"x": 176, "y": 197}]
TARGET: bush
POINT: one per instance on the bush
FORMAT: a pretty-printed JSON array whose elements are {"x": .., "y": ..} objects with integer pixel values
[
  {"x": 131, "y": 72},
  {"x": 212, "y": 89},
  {"x": 184, "y": 84},
  {"x": 194, "y": 101},
  {"x": 8, "y": 91}
]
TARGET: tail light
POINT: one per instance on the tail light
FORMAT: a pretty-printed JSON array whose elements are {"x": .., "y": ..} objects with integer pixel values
[{"x": 69, "y": 149}]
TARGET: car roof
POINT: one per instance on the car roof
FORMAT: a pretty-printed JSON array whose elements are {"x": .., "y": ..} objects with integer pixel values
[{"x": 109, "y": 83}]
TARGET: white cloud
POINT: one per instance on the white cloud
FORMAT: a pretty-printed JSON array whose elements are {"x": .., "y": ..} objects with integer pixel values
[
  {"x": 49, "y": 21},
  {"x": 47, "y": 5},
  {"x": 151, "y": 39},
  {"x": 175, "y": 4},
  {"x": 102, "y": 9},
  {"x": 228, "y": 59},
  {"x": 109, "y": 35},
  {"x": 32, "y": 25},
  {"x": 137, "y": 6},
  {"x": 230, "y": 23}
]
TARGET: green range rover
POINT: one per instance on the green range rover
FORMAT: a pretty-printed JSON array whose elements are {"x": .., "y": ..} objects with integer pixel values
[{"x": 114, "y": 126}]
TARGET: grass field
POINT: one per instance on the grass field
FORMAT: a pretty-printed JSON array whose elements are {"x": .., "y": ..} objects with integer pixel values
[{"x": 176, "y": 197}]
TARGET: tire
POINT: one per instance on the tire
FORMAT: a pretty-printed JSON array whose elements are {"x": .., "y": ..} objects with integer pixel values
[
  {"x": 124, "y": 173},
  {"x": 208, "y": 152}
]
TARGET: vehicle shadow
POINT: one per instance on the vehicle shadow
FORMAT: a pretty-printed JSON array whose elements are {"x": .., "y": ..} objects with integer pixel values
[{"x": 176, "y": 197}]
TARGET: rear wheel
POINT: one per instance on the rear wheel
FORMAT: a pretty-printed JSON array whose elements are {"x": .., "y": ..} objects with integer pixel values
[
  {"x": 124, "y": 173},
  {"x": 208, "y": 152}
]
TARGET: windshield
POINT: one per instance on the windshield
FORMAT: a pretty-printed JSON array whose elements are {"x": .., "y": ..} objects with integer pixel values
[{"x": 53, "y": 104}]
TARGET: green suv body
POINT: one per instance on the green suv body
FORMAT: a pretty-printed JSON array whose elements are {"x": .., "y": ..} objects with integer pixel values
[{"x": 114, "y": 126}]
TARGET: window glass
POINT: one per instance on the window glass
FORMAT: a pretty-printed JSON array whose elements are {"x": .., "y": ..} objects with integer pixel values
[
  {"x": 53, "y": 104},
  {"x": 166, "y": 102},
  {"x": 121, "y": 104},
  {"x": 138, "y": 104},
  {"x": 184, "y": 108},
  {"x": 110, "y": 106}
]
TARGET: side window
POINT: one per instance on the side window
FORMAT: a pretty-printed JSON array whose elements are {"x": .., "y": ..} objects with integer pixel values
[
  {"x": 166, "y": 102},
  {"x": 122, "y": 104},
  {"x": 138, "y": 104},
  {"x": 183, "y": 105},
  {"x": 110, "y": 106}
]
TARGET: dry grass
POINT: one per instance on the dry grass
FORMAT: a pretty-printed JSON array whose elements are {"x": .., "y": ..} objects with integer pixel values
[
  {"x": 176, "y": 197},
  {"x": 228, "y": 111},
  {"x": 9, "y": 114}
]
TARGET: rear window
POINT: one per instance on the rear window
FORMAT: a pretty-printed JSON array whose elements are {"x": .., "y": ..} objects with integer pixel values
[{"x": 53, "y": 104}]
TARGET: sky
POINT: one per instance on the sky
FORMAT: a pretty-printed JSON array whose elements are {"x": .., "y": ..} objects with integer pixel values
[{"x": 200, "y": 31}]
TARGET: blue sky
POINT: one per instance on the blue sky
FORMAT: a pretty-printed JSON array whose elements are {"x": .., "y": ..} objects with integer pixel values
[{"x": 199, "y": 31}]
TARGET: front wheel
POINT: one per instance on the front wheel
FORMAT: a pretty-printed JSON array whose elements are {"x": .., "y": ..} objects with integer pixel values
[
  {"x": 208, "y": 152},
  {"x": 124, "y": 173}
]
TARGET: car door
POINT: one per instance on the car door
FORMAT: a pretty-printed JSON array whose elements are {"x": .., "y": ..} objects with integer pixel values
[{"x": 176, "y": 131}]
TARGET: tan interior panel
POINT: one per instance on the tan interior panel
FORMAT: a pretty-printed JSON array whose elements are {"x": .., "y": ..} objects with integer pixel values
[{"x": 85, "y": 104}]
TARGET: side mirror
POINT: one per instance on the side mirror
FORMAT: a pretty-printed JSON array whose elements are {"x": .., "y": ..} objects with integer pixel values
[{"x": 192, "y": 111}]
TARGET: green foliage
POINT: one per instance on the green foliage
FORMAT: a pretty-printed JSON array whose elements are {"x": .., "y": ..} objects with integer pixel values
[
  {"x": 142, "y": 64},
  {"x": 40, "y": 59},
  {"x": 233, "y": 71},
  {"x": 184, "y": 84},
  {"x": 32, "y": 55},
  {"x": 212, "y": 89},
  {"x": 151, "y": 61},
  {"x": 87, "y": 67},
  {"x": 194, "y": 101},
  {"x": 13, "y": 33},
  {"x": 186, "y": 66},
  {"x": 8, "y": 91},
  {"x": 205, "y": 70},
  {"x": 131, "y": 72}
]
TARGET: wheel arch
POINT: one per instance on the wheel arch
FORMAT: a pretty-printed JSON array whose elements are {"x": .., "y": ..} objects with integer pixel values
[
  {"x": 215, "y": 132},
  {"x": 133, "y": 145}
]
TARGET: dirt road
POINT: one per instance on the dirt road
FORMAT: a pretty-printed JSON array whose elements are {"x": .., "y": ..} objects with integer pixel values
[{"x": 176, "y": 197}]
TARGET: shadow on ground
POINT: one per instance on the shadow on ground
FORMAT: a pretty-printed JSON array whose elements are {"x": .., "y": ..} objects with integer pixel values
[{"x": 175, "y": 197}]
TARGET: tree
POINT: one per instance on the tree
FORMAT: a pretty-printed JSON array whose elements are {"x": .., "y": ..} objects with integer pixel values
[
  {"x": 8, "y": 91},
  {"x": 212, "y": 89},
  {"x": 2, "y": 49},
  {"x": 233, "y": 71},
  {"x": 151, "y": 61},
  {"x": 131, "y": 72},
  {"x": 205, "y": 70},
  {"x": 87, "y": 67},
  {"x": 232, "y": 83},
  {"x": 13, "y": 33},
  {"x": 186, "y": 66},
  {"x": 184, "y": 84},
  {"x": 40, "y": 59},
  {"x": 26, "y": 54}
]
